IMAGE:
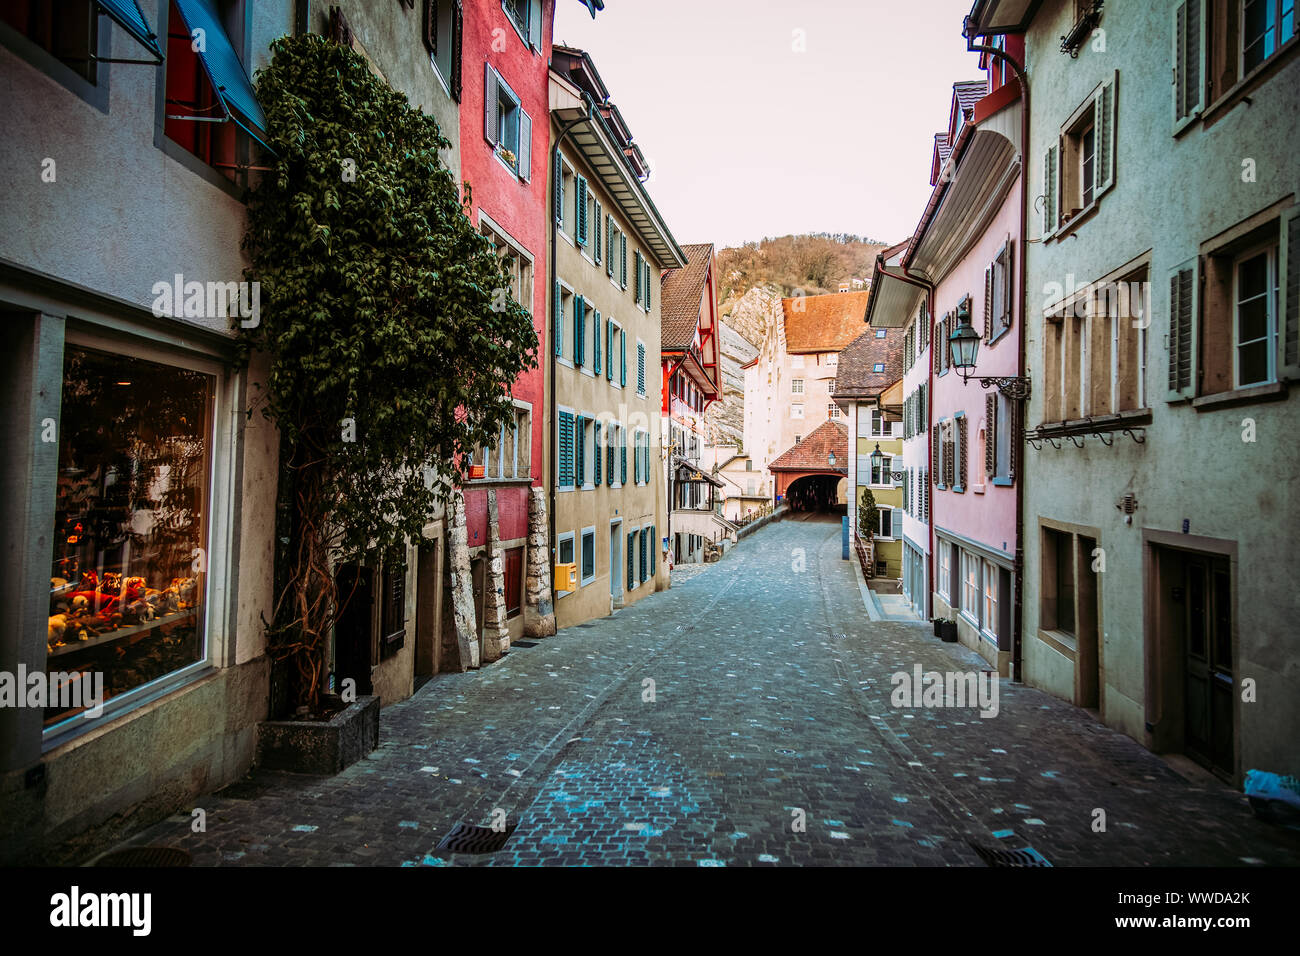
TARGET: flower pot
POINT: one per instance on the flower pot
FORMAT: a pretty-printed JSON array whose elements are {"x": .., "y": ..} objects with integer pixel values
[
  {"x": 322, "y": 746},
  {"x": 936, "y": 622},
  {"x": 948, "y": 631}
]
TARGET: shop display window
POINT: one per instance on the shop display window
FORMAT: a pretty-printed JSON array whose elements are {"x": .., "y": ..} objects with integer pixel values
[{"x": 129, "y": 580}]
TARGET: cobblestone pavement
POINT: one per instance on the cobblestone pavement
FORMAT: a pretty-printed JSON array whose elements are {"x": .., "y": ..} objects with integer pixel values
[{"x": 770, "y": 705}]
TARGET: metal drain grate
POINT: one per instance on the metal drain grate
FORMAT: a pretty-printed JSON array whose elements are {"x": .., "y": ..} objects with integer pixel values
[
  {"x": 146, "y": 856},
  {"x": 469, "y": 838},
  {"x": 996, "y": 856}
]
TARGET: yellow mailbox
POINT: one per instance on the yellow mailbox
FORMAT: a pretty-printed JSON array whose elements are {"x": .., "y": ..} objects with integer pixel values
[{"x": 566, "y": 577}]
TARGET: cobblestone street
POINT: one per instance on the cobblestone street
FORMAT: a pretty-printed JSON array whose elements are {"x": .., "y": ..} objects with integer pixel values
[{"x": 771, "y": 704}]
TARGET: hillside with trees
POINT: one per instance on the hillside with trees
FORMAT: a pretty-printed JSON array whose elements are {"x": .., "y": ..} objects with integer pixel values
[{"x": 814, "y": 263}]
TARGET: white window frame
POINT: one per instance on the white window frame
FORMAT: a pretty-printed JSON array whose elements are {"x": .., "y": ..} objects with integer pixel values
[
  {"x": 581, "y": 549},
  {"x": 884, "y": 519},
  {"x": 796, "y": 386},
  {"x": 569, "y": 187},
  {"x": 972, "y": 561},
  {"x": 588, "y": 451},
  {"x": 613, "y": 378},
  {"x": 565, "y": 357},
  {"x": 1271, "y": 293},
  {"x": 559, "y": 542},
  {"x": 945, "y": 570},
  {"x": 992, "y": 576},
  {"x": 796, "y": 411}
]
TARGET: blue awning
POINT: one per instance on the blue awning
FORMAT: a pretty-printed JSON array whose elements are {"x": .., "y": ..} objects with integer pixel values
[
  {"x": 127, "y": 15},
  {"x": 225, "y": 71}
]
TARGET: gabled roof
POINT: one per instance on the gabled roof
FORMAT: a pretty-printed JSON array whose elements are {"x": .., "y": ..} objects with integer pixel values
[
  {"x": 812, "y": 453},
  {"x": 966, "y": 94},
  {"x": 823, "y": 323},
  {"x": 856, "y": 375},
  {"x": 680, "y": 296}
]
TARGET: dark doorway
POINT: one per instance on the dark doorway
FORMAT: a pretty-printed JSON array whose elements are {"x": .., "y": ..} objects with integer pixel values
[
  {"x": 1207, "y": 656},
  {"x": 353, "y": 653}
]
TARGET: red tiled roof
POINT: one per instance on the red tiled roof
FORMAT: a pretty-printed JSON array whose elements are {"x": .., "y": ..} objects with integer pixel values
[
  {"x": 811, "y": 453},
  {"x": 856, "y": 377},
  {"x": 681, "y": 293},
  {"x": 824, "y": 323}
]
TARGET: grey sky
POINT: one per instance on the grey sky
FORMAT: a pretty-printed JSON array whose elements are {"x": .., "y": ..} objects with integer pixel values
[{"x": 748, "y": 138}]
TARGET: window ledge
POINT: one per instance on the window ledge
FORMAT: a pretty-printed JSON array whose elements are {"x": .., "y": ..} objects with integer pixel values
[
  {"x": 1238, "y": 91},
  {"x": 480, "y": 482},
  {"x": 997, "y": 336},
  {"x": 1003, "y": 482},
  {"x": 978, "y": 489},
  {"x": 1059, "y": 640},
  {"x": 1272, "y": 392},
  {"x": 1065, "y": 229}
]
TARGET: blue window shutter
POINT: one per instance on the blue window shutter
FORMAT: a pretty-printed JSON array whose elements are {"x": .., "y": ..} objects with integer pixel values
[
  {"x": 640, "y": 368},
  {"x": 622, "y": 242},
  {"x": 631, "y": 570},
  {"x": 595, "y": 340},
  {"x": 609, "y": 246},
  {"x": 581, "y": 199},
  {"x": 609, "y": 350},
  {"x": 524, "y": 158},
  {"x": 609, "y": 454},
  {"x": 565, "y": 470},
  {"x": 654, "y": 550},
  {"x": 579, "y": 320},
  {"x": 595, "y": 233},
  {"x": 595, "y": 444},
  {"x": 579, "y": 453},
  {"x": 642, "y": 567},
  {"x": 557, "y": 325},
  {"x": 622, "y": 347},
  {"x": 897, "y": 517},
  {"x": 649, "y": 283},
  {"x": 559, "y": 188},
  {"x": 636, "y": 263},
  {"x": 622, "y": 456}
]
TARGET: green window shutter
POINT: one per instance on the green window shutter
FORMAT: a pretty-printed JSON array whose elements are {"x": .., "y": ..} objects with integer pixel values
[
  {"x": 1104, "y": 120},
  {"x": 622, "y": 243},
  {"x": 610, "y": 437},
  {"x": 595, "y": 340},
  {"x": 558, "y": 174},
  {"x": 579, "y": 323},
  {"x": 1288, "y": 338},
  {"x": 631, "y": 553},
  {"x": 1049, "y": 191},
  {"x": 579, "y": 452},
  {"x": 609, "y": 246},
  {"x": 636, "y": 262},
  {"x": 1189, "y": 61},
  {"x": 649, "y": 285},
  {"x": 622, "y": 457},
  {"x": 622, "y": 347},
  {"x": 654, "y": 550},
  {"x": 557, "y": 323},
  {"x": 595, "y": 458},
  {"x": 595, "y": 237},
  {"x": 643, "y": 565},
  {"x": 580, "y": 210},
  {"x": 609, "y": 350},
  {"x": 1183, "y": 302},
  {"x": 640, "y": 368},
  {"x": 564, "y": 473}
]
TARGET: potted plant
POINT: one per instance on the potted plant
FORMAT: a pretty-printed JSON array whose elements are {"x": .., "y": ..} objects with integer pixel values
[{"x": 948, "y": 630}]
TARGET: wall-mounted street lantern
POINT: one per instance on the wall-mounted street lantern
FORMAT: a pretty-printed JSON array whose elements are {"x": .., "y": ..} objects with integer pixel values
[
  {"x": 830, "y": 459},
  {"x": 964, "y": 345},
  {"x": 877, "y": 459}
]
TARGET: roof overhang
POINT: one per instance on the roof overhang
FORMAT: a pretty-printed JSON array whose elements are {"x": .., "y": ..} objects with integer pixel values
[
  {"x": 894, "y": 299},
  {"x": 983, "y": 175},
  {"x": 592, "y": 137},
  {"x": 994, "y": 17},
  {"x": 690, "y": 364}
]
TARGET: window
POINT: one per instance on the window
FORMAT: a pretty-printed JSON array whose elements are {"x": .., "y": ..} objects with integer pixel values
[
  {"x": 506, "y": 127},
  {"x": 565, "y": 440},
  {"x": 565, "y": 306},
  {"x": 833, "y": 411},
  {"x": 880, "y": 475},
  {"x": 640, "y": 368},
  {"x": 1255, "y": 300},
  {"x": 877, "y": 423},
  {"x": 131, "y": 513},
  {"x": 878, "y": 367},
  {"x": 998, "y": 294},
  {"x": 1056, "y": 612},
  {"x": 885, "y": 522},
  {"x": 509, "y": 457},
  {"x": 970, "y": 586},
  {"x": 796, "y": 411},
  {"x": 526, "y": 17},
  {"x": 586, "y": 451},
  {"x": 880, "y": 333},
  {"x": 565, "y": 208},
  {"x": 991, "y": 572},
  {"x": 1265, "y": 26},
  {"x": 945, "y": 569},
  {"x": 444, "y": 26},
  {"x": 796, "y": 386},
  {"x": 66, "y": 29},
  {"x": 517, "y": 264},
  {"x": 1080, "y": 167},
  {"x": 564, "y": 554},
  {"x": 587, "y": 571}
]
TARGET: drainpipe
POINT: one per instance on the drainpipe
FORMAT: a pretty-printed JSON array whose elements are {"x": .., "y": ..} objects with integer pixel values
[
  {"x": 929, "y": 405},
  {"x": 1018, "y": 611},
  {"x": 554, "y": 477}
]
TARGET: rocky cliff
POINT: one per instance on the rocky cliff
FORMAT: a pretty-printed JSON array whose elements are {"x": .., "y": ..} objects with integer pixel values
[{"x": 744, "y": 320}]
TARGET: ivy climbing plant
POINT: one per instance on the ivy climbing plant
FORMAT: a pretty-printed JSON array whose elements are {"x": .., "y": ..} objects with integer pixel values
[{"x": 390, "y": 333}]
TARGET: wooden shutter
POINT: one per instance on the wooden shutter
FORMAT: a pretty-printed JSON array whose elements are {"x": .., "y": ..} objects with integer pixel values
[
  {"x": 1183, "y": 301},
  {"x": 457, "y": 44},
  {"x": 1016, "y": 410},
  {"x": 640, "y": 369},
  {"x": 558, "y": 174},
  {"x": 622, "y": 457},
  {"x": 595, "y": 445},
  {"x": 557, "y": 320},
  {"x": 649, "y": 283},
  {"x": 936, "y": 454},
  {"x": 1189, "y": 60},
  {"x": 990, "y": 436},
  {"x": 896, "y": 523},
  {"x": 1049, "y": 191},
  {"x": 565, "y": 471},
  {"x": 934, "y": 361},
  {"x": 430, "y": 25},
  {"x": 622, "y": 242},
  {"x": 622, "y": 359},
  {"x": 1104, "y": 123},
  {"x": 491, "y": 106},
  {"x": 636, "y": 262},
  {"x": 1288, "y": 338},
  {"x": 595, "y": 238},
  {"x": 609, "y": 350},
  {"x": 595, "y": 340},
  {"x": 579, "y": 452},
  {"x": 610, "y": 440},
  {"x": 579, "y": 321},
  {"x": 988, "y": 303},
  {"x": 581, "y": 210},
  {"x": 631, "y": 553},
  {"x": 535, "y": 23},
  {"x": 609, "y": 246},
  {"x": 525, "y": 157},
  {"x": 1007, "y": 310},
  {"x": 961, "y": 456}
]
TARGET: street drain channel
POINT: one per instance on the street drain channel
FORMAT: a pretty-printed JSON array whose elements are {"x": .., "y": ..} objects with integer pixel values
[
  {"x": 146, "y": 856},
  {"x": 469, "y": 838},
  {"x": 523, "y": 643},
  {"x": 996, "y": 856}
]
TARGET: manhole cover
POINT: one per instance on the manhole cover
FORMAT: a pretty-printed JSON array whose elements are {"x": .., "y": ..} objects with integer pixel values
[
  {"x": 469, "y": 838},
  {"x": 136, "y": 856},
  {"x": 996, "y": 856}
]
